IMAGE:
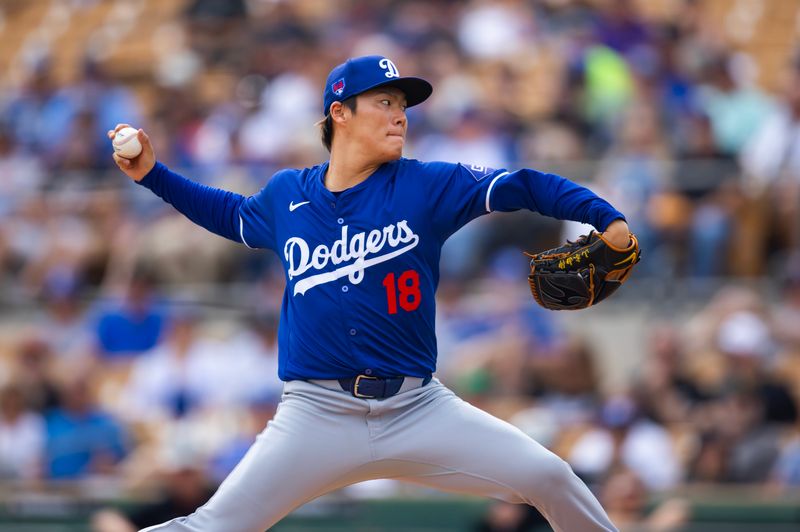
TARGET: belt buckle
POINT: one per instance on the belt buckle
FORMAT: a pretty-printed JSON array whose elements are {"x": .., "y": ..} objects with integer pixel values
[{"x": 358, "y": 381}]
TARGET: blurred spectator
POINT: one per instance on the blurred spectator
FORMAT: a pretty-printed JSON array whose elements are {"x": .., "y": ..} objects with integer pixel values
[
  {"x": 216, "y": 27},
  {"x": 37, "y": 109},
  {"x": 624, "y": 497},
  {"x": 667, "y": 75},
  {"x": 82, "y": 440},
  {"x": 251, "y": 362},
  {"x": 773, "y": 153},
  {"x": 747, "y": 342},
  {"x": 786, "y": 315},
  {"x": 215, "y": 144},
  {"x": 212, "y": 10},
  {"x": 664, "y": 388},
  {"x": 619, "y": 27},
  {"x": 772, "y": 162},
  {"x": 740, "y": 448},
  {"x": 184, "y": 489},
  {"x": 231, "y": 452},
  {"x": 46, "y": 236},
  {"x": 623, "y": 438},
  {"x": 709, "y": 464},
  {"x": 132, "y": 325},
  {"x": 701, "y": 329},
  {"x": 566, "y": 385},
  {"x": 179, "y": 65},
  {"x": 23, "y": 175},
  {"x": 741, "y": 427},
  {"x": 490, "y": 30},
  {"x": 190, "y": 371},
  {"x": 706, "y": 179},
  {"x": 170, "y": 380},
  {"x": 569, "y": 371},
  {"x": 471, "y": 135},
  {"x": 507, "y": 517},
  {"x": 551, "y": 143},
  {"x": 756, "y": 450},
  {"x": 25, "y": 241},
  {"x": 632, "y": 176},
  {"x": 608, "y": 85},
  {"x": 493, "y": 339},
  {"x": 84, "y": 151},
  {"x": 290, "y": 103},
  {"x": 104, "y": 102},
  {"x": 34, "y": 372},
  {"x": 22, "y": 435},
  {"x": 735, "y": 107},
  {"x": 68, "y": 332},
  {"x": 786, "y": 472},
  {"x": 177, "y": 255}
]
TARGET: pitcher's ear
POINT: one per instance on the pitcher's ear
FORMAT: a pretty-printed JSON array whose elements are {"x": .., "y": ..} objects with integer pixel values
[{"x": 337, "y": 111}]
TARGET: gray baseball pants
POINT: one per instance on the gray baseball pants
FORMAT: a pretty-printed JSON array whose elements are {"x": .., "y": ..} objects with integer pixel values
[{"x": 322, "y": 438}]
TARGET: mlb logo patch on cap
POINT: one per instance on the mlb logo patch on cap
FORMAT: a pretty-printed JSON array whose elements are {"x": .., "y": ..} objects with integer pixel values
[{"x": 338, "y": 87}]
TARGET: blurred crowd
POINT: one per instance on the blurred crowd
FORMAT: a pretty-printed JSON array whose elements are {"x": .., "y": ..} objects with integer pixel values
[{"x": 117, "y": 371}]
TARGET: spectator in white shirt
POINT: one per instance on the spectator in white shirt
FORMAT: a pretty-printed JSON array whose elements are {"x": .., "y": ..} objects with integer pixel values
[{"x": 22, "y": 435}]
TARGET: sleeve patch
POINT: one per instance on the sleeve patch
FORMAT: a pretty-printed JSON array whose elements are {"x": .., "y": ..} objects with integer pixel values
[{"x": 479, "y": 173}]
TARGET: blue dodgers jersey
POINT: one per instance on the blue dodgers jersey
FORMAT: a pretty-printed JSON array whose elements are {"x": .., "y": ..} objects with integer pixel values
[{"x": 362, "y": 266}]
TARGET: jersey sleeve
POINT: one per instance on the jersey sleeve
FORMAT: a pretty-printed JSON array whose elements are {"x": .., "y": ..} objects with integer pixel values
[
  {"x": 230, "y": 215},
  {"x": 257, "y": 219},
  {"x": 550, "y": 195},
  {"x": 455, "y": 193},
  {"x": 459, "y": 193}
]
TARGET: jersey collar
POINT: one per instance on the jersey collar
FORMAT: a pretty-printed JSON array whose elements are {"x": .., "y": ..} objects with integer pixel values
[{"x": 385, "y": 170}]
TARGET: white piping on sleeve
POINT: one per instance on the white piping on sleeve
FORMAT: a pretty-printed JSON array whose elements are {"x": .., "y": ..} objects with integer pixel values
[
  {"x": 241, "y": 232},
  {"x": 489, "y": 190}
]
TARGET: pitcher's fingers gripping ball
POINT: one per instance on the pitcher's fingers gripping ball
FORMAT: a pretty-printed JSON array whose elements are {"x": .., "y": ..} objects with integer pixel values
[{"x": 582, "y": 273}]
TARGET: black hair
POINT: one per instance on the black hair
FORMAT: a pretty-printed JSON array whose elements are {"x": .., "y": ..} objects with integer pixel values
[{"x": 327, "y": 125}]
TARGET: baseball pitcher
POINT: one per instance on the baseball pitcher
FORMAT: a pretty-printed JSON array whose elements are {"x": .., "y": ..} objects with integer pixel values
[{"x": 359, "y": 237}]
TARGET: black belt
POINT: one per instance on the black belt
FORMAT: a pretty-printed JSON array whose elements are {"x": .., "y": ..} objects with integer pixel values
[{"x": 367, "y": 387}]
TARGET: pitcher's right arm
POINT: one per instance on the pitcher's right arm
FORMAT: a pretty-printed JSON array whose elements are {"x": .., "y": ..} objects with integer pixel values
[{"x": 224, "y": 213}]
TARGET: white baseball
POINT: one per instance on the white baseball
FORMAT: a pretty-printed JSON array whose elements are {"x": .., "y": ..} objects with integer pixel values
[{"x": 126, "y": 143}]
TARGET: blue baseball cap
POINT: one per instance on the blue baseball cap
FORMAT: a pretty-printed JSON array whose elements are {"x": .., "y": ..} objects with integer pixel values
[{"x": 360, "y": 74}]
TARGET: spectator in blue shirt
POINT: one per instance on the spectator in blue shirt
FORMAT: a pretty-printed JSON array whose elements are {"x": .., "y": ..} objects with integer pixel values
[
  {"x": 134, "y": 325},
  {"x": 81, "y": 438}
]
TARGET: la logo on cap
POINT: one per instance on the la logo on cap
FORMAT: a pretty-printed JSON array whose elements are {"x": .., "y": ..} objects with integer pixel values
[
  {"x": 387, "y": 65},
  {"x": 360, "y": 74}
]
